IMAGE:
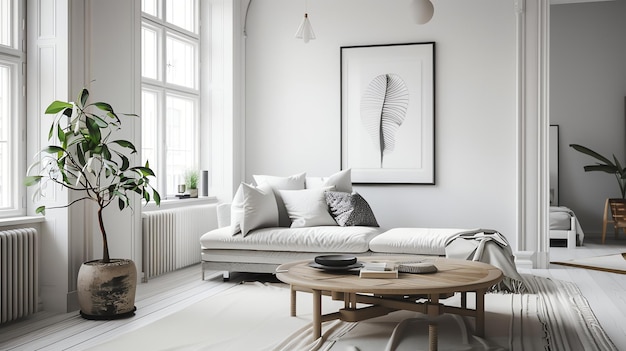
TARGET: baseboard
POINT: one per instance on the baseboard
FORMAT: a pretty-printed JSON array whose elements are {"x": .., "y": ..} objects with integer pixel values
[{"x": 526, "y": 259}]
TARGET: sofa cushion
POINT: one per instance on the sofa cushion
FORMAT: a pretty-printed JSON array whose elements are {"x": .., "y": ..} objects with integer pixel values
[
  {"x": 310, "y": 239},
  {"x": 294, "y": 182},
  {"x": 342, "y": 181},
  {"x": 350, "y": 209},
  {"x": 252, "y": 208},
  {"x": 419, "y": 241},
  {"x": 307, "y": 207}
]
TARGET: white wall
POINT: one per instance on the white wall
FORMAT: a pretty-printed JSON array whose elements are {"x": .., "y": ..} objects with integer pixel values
[
  {"x": 588, "y": 86},
  {"x": 293, "y": 103}
]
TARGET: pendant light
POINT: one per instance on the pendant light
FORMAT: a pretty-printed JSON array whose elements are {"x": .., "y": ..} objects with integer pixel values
[
  {"x": 422, "y": 10},
  {"x": 305, "y": 31}
]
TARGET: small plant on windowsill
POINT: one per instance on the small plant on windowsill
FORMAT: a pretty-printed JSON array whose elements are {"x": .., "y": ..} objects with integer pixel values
[
  {"x": 89, "y": 160},
  {"x": 191, "y": 182}
]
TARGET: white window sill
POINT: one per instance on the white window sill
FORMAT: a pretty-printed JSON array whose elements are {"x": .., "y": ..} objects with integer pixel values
[
  {"x": 175, "y": 203},
  {"x": 5, "y": 222}
]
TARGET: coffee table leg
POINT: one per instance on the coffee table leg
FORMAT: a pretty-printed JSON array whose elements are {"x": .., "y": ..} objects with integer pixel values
[
  {"x": 433, "y": 312},
  {"x": 293, "y": 301},
  {"x": 317, "y": 314},
  {"x": 480, "y": 313},
  {"x": 433, "y": 336}
]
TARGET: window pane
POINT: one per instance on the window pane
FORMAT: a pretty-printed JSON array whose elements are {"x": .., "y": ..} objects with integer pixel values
[
  {"x": 181, "y": 135},
  {"x": 151, "y": 7},
  {"x": 181, "y": 13},
  {"x": 6, "y": 23},
  {"x": 149, "y": 131},
  {"x": 181, "y": 62},
  {"x": 6, "y": 166},
  {"x": 150, "y": 53}
]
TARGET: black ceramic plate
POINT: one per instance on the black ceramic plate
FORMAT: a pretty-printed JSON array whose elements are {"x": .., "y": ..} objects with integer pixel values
[
  {"x": 335, "y": 260},
  {"x": 355, "y": 266}
]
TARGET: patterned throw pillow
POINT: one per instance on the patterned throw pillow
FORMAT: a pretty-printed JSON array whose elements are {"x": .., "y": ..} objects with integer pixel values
[{"x": 350, "y": 209}]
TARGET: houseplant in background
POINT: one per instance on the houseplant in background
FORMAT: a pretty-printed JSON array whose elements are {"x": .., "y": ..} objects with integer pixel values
[
  {"x": 617, "y": 205},
  {"x": 191, "y": 181},
  {"x": 88, "y": 159}
]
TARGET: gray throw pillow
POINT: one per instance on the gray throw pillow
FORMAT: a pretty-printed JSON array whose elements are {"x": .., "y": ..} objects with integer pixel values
[{"x": 350, "y": 209}]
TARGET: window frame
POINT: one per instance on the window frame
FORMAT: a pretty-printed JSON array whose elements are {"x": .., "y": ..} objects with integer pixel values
[
  {"x": 163, "y": 88},
  {"x": 15, "y": 57}
]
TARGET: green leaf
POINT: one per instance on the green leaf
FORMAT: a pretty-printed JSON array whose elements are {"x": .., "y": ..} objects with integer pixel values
[
  {"x": 120, "y": 203},
  {"x": 157, "y": 197},
  {"x": 84, "y": 95},
  {"x": 125, "y": 143},
  {"x": 600, "y": 168},
  {"x": 32, "y": 180},
  {"x": 100, "y": 122},
  {"x": 80, "y": 154},
  {"x": 51, "y": 132},
  {"x": 53, "y": 149},
  {"x": 106, "y": 154},
  {"x": 94, "y": 131},
  {"x": 588, "y": 151},
  {"x": 57, "y": 106},
  {"x": 61, "y": 135},
  {"x": 144, "y": 171},
  {"x": 125, "y": 161},
  {"x": 41, "y": 209},
  {"x": 103, "y": 106}
]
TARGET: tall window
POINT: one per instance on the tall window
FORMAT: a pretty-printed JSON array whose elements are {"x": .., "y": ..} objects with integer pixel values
[
  {"x": 170, "y": 57},
  {"x": 12, "y": 147}
]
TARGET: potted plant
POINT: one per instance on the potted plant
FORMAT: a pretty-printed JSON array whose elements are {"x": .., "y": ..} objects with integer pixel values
[
  {"x": 617, "y": 206},
  {"x": 191, "y": 182},
  {"x": 88, "y": 159}
]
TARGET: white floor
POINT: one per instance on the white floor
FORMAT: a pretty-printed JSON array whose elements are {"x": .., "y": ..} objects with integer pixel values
[{"x": 606, "y": 293}]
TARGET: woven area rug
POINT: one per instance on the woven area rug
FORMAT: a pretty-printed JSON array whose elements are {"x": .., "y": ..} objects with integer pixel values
[
  {"x": 610, "y": 263},
  {"x": 255, "y": 316}
]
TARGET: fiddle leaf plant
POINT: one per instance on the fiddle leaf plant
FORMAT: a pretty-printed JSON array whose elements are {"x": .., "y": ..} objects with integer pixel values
[
  {"x": 89, "y": 159},
  {"x": 605, "y": 165}
]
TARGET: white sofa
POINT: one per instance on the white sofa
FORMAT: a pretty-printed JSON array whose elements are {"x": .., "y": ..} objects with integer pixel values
[
  {"x": 284, "y": 219},
  {"x": 264, "y": 249}
]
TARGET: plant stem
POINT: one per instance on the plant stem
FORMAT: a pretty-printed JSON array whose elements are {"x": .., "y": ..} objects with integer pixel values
[{"x": 105, "y": 245}]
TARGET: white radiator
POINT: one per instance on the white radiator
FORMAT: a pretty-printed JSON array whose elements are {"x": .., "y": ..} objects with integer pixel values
[
  {"x": 171, "y": 238},
  {"x": 19, "y": 288}
]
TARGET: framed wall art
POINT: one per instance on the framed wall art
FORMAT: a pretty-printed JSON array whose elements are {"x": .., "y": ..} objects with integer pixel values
[{"x": 388, "y": 113}]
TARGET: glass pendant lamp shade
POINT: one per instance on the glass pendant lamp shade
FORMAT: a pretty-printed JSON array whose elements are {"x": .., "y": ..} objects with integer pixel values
[
  {"x": 305, "y": 31},
  {"x": 422, "y": 10}
]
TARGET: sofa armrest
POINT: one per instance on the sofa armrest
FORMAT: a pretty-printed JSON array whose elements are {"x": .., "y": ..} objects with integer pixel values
[{"x": 223, "y": 215}]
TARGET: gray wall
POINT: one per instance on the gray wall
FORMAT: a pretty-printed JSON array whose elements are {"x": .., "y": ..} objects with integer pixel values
[
  {"x": 293, "y": 103},
  {"x": 588, "y": 86}
]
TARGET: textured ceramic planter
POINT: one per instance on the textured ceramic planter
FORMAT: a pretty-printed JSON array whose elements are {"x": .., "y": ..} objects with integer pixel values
[
  {"x": 193, "y": 192},
  {"x": 107, "y": 290}
]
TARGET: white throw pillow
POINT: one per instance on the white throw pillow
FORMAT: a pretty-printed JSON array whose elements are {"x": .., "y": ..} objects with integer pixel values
[
  {"x": 253, "y": 208},
  {"x": 342, "y": 181},
  {"x": 307, "y": 208},
  {"x": 294, "y": 182}
]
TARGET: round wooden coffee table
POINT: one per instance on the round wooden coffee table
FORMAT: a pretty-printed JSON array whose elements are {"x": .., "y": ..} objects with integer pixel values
[{"x": 413, "y": 292}]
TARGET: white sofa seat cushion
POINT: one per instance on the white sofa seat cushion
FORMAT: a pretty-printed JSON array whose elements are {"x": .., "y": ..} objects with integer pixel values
[
  {"x": 309, "y": 239},
  {"x": 419, "y": 241}
]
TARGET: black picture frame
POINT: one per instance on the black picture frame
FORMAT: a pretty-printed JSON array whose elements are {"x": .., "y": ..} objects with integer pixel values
[{"x": 388, "y": 113}]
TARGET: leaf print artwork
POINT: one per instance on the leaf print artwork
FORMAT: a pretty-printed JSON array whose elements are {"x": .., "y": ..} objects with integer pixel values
[{"x": 383, "y": 110}]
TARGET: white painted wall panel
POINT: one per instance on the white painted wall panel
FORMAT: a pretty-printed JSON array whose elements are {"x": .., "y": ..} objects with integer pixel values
[{"x": 293, "y": 103}]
